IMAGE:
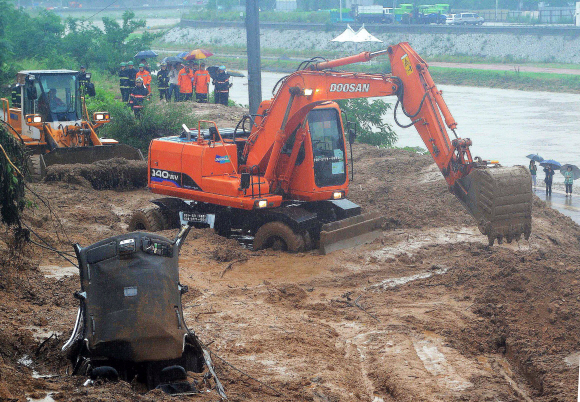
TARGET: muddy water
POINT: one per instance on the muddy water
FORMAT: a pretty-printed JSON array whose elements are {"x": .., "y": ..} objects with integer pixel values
[{"x": 504, "y": 125}]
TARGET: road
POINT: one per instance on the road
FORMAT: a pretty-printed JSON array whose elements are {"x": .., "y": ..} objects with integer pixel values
[
  {"x": 569, "y": 206},
  {"x": 506, "y": 67}
]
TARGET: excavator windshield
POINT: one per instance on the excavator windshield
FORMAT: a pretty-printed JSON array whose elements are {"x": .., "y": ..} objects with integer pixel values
[
  {"x": 327, "y": 147},
  {"x": 54, "y": 97}
]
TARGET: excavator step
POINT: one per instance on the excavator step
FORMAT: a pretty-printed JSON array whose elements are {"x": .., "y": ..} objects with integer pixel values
[{"x": 350, "y": 232}]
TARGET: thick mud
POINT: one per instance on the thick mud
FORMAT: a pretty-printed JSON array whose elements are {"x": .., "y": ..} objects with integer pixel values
[{"x": 427, "y": 312}]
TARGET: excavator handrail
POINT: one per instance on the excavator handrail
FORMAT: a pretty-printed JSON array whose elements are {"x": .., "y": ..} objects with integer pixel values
[{"x": 5, "y": 108}]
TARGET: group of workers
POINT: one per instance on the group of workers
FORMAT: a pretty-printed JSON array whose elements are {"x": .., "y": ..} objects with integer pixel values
[{"x": 175, "y": 81}]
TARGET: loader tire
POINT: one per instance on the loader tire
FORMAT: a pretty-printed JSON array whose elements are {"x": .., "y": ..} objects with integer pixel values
[
  {"x": 149, "y": 219},
  {"x": 35, "y": 168},
  {"x": 278, "y": 236}
]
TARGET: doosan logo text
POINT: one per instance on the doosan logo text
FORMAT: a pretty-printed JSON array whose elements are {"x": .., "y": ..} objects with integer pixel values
[{"x": 349, "y": 87}]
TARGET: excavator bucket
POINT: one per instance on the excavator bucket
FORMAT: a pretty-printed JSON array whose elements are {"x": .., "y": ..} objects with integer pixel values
[
  {"x": 350, "y": 232},
  {"x": 500, "y": 199},
  {"x": 84, "y": 155}
]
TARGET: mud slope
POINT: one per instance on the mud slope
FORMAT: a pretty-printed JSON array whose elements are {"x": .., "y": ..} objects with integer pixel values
[{"x": 428, "y": 312}]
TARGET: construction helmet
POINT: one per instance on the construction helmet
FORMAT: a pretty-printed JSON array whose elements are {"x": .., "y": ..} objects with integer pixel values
[
  {"x": 141, "y": 65},
  {"x": 139, "y": 79},
  {"x": 163, "y": 64},
  {"x": 123, "y": 64},
  {"x": 130, "y": 63}
]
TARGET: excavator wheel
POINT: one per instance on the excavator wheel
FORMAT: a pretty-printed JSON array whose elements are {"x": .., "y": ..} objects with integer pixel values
[
  {"x": 149, "y": 219},
  {"x": 278, "y": 236}
]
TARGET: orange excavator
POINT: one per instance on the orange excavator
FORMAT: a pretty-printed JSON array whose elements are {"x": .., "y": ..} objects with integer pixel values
[{"x": 284, "y": 180}]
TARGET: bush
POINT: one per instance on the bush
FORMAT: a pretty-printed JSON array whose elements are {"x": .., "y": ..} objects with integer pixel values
[
  {"x": 12, "y": 201},
  {"x": 156, "y": 120},
  {"x": 368, "y": 116}
]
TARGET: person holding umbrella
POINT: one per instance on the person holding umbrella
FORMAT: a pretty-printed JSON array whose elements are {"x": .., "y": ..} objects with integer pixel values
[
  {"x": 222, "y": 86},
  {"x": 533, "y": 170},
  {"x": 163, "y": 81},
  {"x": 549, "y": 171},
  {"x": 173, "y": 82},
  {"x": 568, "y": 179}
]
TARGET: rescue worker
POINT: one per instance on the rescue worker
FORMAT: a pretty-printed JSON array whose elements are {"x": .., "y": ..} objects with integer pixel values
[
  {"x": 124, "y": 82},
  {"x": 173, "y": 84},
  {"x": 145, "y": 65},
  {"x": 222, "y": 86},
  {"x": 131, "y": 75},
  {"x": 201, "y": 80},
  {"x": 184, "y": 81},
  {"x": 163, "y": 81},
  {"x": 84, "y": 80},
  {"x": 138, "y": 95},
  {"x": 16, "y": 95},
  {"x": 146, "y": 75}
]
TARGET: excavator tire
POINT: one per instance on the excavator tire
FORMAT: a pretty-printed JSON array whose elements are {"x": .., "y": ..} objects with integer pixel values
[
  {"x": 500, "y": 200},
  {"x": 150, "y": 219},
  {"x": 278, "y": 236}
]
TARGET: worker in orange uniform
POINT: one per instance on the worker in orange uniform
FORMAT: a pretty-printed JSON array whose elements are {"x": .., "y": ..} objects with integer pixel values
[
  {"x": 185, "y": 82},
  {"x": 201, "y": 80},
  {"x": 146, "y": 75}
]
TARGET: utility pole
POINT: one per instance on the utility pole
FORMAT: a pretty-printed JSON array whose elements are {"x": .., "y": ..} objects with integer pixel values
[
  {"x": 253, "y": 45},
  {"x": 340, "y": 9}
]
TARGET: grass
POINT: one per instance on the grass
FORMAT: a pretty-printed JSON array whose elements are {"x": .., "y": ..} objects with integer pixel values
[{"x": 507, "y": 79}]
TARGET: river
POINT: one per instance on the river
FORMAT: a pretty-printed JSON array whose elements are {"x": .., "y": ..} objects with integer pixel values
[{"x": 504, "y": 124}]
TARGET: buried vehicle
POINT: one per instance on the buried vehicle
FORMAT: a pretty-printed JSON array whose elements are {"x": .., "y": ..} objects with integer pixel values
[
  {"x": 47, "y": 113},
  {"x": 130, "y": 320},
  {"x": 282, "y": 176}
]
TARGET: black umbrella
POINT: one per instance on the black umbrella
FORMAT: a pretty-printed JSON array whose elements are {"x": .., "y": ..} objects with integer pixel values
[
  {"x": 575, "y": 170},
  {"x": 145, "y": 54},
  {"x": 173, "y": 59},
  {"x": 213, "y": 70},
  {"x": 535, "y": 157}
]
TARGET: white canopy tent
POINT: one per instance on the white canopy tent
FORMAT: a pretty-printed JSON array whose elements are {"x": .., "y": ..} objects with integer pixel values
[
  {"x": 363, "y": 35},
  {"x": 346, "y": 36}
]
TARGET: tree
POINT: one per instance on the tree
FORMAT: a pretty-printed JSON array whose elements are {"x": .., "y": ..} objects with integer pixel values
[{"x": 368, "y": 116}]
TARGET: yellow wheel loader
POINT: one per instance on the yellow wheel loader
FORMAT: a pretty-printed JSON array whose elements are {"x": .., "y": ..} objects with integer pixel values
[{"x": 47, "y": 113}]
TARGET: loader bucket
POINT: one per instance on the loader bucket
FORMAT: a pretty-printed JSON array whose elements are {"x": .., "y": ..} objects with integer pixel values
[
  {"x": 500, "y": 200},
  {"x": 350, "y": 232},
  {"x": 86, "y": 155}
]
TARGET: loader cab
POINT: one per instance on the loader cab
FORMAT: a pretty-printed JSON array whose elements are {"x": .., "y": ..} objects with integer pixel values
[{"x": 52, "y": 94}]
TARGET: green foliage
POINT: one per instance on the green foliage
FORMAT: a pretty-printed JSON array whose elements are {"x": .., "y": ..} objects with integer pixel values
[
  {"x": 156, "y": 120},
  {"x": 368, "y": 116},
  {"x": 415, "y": 150},
  {"x": 45, "y": 41},
  {"x": 12, "y": 201},
  {"x": 210, "y": 14}
]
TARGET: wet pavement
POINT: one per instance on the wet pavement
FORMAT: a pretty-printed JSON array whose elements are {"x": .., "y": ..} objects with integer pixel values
[{"x": 569, "y": 206}]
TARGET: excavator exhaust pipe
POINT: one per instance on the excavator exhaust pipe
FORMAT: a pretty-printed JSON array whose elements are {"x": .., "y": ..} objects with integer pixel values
[
  {"x": 500, "y": 200},
  {"x": 350, "y": 232}
]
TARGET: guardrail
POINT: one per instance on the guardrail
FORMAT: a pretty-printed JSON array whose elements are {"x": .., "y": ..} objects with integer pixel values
[{"x": 398, "y": 28}]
